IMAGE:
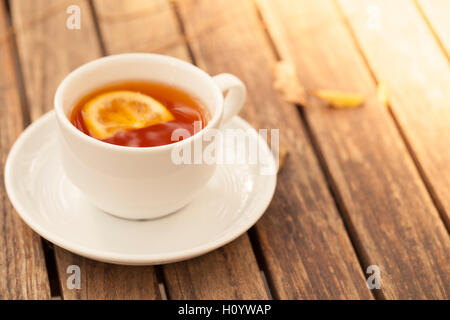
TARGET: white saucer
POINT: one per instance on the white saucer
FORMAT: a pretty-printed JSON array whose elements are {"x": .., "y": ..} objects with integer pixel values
[{"x": 233, "y": 200}]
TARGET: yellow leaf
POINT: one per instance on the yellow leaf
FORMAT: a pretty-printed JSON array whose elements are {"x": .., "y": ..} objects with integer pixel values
[
  {"x": 382, "y": 93},
  {"x": 286, "y": 82},
  {"x": 339, "y": 99}
]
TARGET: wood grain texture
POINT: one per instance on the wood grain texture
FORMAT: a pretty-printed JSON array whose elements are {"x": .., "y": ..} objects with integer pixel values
[
  {"x": 232, "y": 271},
  {"x": 48, "y": 52},
  {"x": 418, "y": 78},
  {"x": 436, "y": 13},
  {"x": 139, "y": 26},
  {"x": 305, "y": 247},
  {"x": 23, "y": 272},
  {"x": 386, "y": 205},
  {"x": 226, "y": 273}
]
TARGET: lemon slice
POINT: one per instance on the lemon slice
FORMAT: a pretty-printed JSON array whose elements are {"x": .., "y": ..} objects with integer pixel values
[{"x": 110, "y": 112}]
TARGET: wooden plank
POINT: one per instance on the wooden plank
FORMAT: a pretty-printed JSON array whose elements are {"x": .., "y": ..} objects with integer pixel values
[
  {"x": 22, "y": 265},
  {"x": 418, "y": 77},
  {"x": 305, "y": 247},
  {"x": 386, "y": 205},
  {"x": 107, "y": 281},
  {"x": 226, "y": 273},
  {"x": 157, "y": 30},
  {"x": 437, "y": 12},
  {"x": 140, "y": 26},
  {"x": 48, "y": 52}
]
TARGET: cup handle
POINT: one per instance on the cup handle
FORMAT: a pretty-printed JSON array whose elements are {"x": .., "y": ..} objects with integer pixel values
[{"x": 234, "y": 92}]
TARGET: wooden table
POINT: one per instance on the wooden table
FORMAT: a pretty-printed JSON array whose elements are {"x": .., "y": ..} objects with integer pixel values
[{"x": 359, "y": 187}]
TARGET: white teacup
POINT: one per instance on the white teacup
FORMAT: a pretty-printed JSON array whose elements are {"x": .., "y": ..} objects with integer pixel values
[{"x": 133, "y": 182}]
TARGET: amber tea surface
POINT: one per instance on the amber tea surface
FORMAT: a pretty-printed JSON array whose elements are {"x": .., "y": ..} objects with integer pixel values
[{"x": 138, "y": 113}]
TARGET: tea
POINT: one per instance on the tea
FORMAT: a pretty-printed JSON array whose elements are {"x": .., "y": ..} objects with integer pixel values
[{"x": 137, "y": 113}]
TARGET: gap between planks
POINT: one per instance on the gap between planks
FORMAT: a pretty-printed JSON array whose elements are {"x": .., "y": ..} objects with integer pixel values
[
  {"x": 98, "y": 32},
  {"x": 431, "y": 28},
  {"x": 179, "y": 19},
  {"x": 161, "y": 282},
  {"x": 52, "y": 271}
]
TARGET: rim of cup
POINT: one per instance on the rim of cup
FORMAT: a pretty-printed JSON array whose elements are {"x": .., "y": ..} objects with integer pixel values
[{"x": 64, "y": 120}]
